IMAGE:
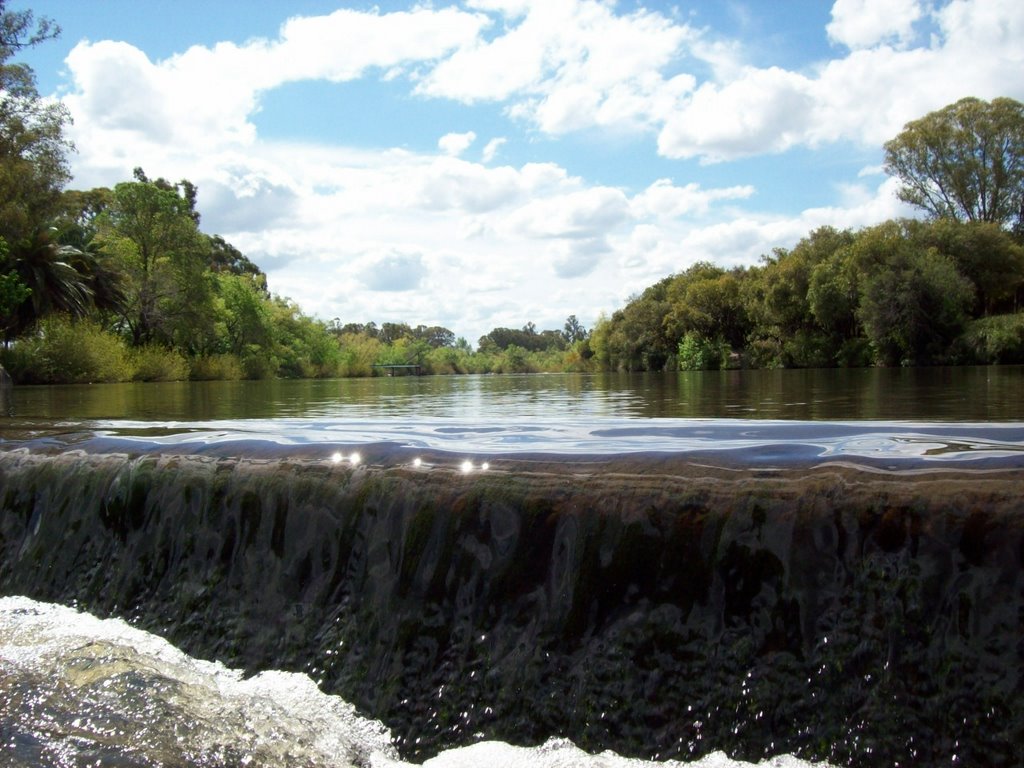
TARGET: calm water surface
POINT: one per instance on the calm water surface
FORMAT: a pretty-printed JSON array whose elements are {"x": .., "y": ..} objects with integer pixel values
[
  {"x": 969, "y": 394},
  {"x": 754, "y": 417}
]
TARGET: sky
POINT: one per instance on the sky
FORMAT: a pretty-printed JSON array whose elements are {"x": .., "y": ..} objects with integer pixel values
[{"x": 491, "y": 163}]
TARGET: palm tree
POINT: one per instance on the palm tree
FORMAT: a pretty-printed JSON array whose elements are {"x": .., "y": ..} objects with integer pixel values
[{"x": 55, "y": 285}]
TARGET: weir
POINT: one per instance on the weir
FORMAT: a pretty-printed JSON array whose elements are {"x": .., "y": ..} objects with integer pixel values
[{"x": 652, "y": 604}]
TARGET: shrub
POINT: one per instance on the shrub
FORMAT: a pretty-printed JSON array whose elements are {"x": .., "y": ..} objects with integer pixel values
[
  {"x": 68, "y": 352},
  {"x": 997, "y": 339},
  {"x": 156, "y": 363},
  {"x": 217, "y": 368},
  {"x": 699, "y": 353}
]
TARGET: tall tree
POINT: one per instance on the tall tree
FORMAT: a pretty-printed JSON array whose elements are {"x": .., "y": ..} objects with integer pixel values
[
  {"x": 964, "y": 162},
  {"x": 33, "y": 149},
  {"x": 152, "y": 232}
]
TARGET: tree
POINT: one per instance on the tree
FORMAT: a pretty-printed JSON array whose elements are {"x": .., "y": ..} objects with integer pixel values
[
  {"x": 574, "y": 330},
  {"x": 914, "y": 306},
  {"x": 224, "y": 257},
  {"x": 54, "y": 285},
  {"x": 33, "y": 164},
  {"x": 152, "y": 233},
  {"x": 964, "y": 162}
]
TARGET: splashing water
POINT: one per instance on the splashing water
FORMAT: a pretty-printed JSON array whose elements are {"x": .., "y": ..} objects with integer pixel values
[{"x": 76, "y": 690}]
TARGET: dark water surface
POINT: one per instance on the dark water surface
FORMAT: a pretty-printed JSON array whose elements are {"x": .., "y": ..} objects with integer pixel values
[{"x": 915, "y": 394}]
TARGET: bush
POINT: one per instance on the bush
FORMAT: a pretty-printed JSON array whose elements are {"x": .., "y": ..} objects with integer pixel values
[
  {"x": 68, "y": 352},
  {"x": 217, "y": 368},
  {"x": 699, "y": 353},
  {"x": 997, "y": 339},
  {"x": 156, "y": 363}
]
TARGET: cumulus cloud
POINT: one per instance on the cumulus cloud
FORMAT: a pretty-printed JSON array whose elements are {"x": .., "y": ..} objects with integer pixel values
[
  {"x": 492, "y": 148},
  {"x": 585, "y": 214},
  {"x": 567, "y": 65},
  {"x": 664, "y": 199},
  {"x": 579, "y": 257},
  {"x": 864, "y": 23},
  {"x": 207, "y": 95},
  {"x": 456, "y": 143},
  {"x": 394, "y": 272}
]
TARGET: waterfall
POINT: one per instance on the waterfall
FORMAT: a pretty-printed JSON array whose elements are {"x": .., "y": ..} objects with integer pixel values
[{"x": 657, "y": 607}]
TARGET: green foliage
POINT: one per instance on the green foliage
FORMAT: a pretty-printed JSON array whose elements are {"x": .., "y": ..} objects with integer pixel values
[
  {"x": 223, "y": 367},
  {"x": 997, "y": 339},
  {"x": 514, "y": 359},
  {"x": 151, "y": 232},
  {"x": 914, "y": 307},
  {"x": 155, "y": 363},
  {"x": 67, "y": 351},
  {"x": 899, "y": 293},
  {"x": 699, "y": 353},
  {"x": 638, "y": 338},
  {"x": 358, "y": 354},
  {"x": 13, "y": 292},
  {"x": 963, "y": 162},
  {"x": 55, "y": 286},
  {"x": 983, "y": 252},
  {"x": 527, "y": 338},
  {"x": 33, "y": 150}
]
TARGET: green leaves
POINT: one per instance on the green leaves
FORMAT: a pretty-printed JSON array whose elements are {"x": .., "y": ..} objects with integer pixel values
[{"x": 963, "y": 162}]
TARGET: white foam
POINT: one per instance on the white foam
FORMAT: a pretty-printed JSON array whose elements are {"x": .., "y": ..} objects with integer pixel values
[{"x": 88, "y": 673}]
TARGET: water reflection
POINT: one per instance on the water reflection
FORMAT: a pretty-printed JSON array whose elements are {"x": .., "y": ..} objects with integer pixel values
[{"x": 926, "y": 394}]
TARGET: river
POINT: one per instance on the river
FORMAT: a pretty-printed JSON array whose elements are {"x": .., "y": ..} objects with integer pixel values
[{"x": 516, "y": 570}]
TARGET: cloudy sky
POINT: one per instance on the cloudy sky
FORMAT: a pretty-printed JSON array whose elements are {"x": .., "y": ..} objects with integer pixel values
[{"x": 489, "y": 163}]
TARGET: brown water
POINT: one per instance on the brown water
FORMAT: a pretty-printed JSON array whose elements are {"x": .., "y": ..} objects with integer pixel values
[{"x": 915, "y": 394}]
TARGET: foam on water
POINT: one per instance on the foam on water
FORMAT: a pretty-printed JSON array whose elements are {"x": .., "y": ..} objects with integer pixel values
[{"x": 76, "y": 690}]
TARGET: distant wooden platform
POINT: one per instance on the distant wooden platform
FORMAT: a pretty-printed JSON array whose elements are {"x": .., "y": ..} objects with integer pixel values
[{"x": 407, "y": 369}]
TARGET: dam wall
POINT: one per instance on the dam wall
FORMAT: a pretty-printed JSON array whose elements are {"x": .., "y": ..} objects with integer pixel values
[{"x": 659, "y": 607}]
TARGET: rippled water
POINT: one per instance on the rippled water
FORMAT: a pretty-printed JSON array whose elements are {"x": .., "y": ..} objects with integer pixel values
[{"x": 921, "y": 394}]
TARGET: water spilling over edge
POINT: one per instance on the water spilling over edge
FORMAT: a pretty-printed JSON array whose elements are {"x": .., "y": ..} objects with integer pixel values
[
  {"x": 79, "y": 689},
  {"x": 737, "y": 442}
]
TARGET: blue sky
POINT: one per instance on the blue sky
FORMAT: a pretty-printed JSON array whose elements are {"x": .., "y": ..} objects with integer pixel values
[{"x": 491, "y": 163}]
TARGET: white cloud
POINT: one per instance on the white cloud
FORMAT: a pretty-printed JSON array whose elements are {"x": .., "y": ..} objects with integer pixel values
[
  {"x": 394, "y": 272},
  {"x": 456, "y": 143},
  {"x": 864, "y": 23},
  {"x": 586, "y": 214},
  {"x": 765, "y": 110},
  {"x": 491, "y": 150},
  {"x": 865, "y": 97},
  {"x": 665, "y": 200},
  {"x": 572, "y": 259},
  {"x": 567, "y": 65}
]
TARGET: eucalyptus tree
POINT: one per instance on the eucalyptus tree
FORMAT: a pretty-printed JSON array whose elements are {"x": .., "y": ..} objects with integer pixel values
[
  {"x": 964, "y": 161},
  {"x": 151, "y": 233},
  {"x": 33, "y": 147}
]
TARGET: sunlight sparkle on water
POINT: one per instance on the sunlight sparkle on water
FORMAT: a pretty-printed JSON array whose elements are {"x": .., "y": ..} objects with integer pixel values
[{"x": 338, "y": 457}]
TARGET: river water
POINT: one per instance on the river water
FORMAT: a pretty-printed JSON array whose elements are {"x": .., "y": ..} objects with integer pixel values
[
  {"x": 888, "y": 394},
  {"x": 516, "y": 570}
]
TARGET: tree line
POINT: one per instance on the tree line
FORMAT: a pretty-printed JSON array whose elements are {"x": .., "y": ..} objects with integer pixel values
[
  {"x": 948, "y": 289},
  {"x": 900, "y": 293},
  {"x": 121, "y": 283}
]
